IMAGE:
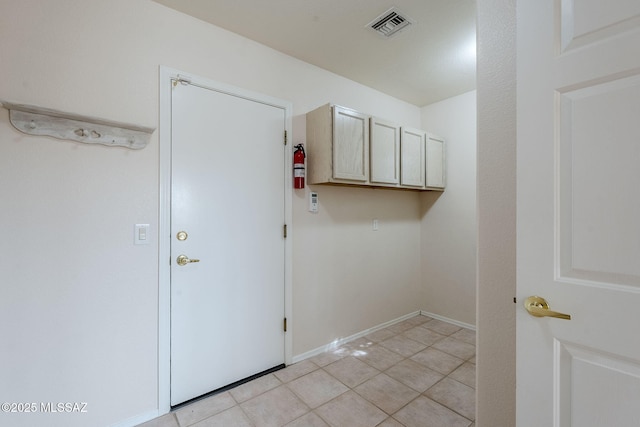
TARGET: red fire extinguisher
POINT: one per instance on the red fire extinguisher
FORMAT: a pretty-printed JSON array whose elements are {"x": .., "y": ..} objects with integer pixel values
[{"x": 298, "y": 166}]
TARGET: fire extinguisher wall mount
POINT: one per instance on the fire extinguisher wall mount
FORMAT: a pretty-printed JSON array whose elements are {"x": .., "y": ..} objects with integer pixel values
[{"x": 298, "y": 167}]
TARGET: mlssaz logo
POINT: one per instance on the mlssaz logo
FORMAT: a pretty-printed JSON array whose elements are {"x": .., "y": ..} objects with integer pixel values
[{"x": 67, "y": 407}]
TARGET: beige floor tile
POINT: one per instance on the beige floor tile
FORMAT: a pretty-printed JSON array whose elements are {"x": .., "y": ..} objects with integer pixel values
[
  {"x": 405, "y": 325},
  {"x": 317, "y": 388},
  {"x": 390, "y": 422},
  {"x": 351, "y": 371},
  {"x": 362, "y": 342},
  {"x": 386, "y": 393},
  {"x": 424, "y": 412},
  {"x": 204, "y": 408},
  {"x": 466, "y": 374},
  {"x": 456, "y": 348},
  {"x": 413, "y": 355},
  {"x": 351, "y": 410},
  {"x": 358, "y": 346},
  {"x": 402, "y": 345},
  {"x": 233, "y": 417},
  {"x": 437, "y": 360},
  {"x": 254, "y": 388},
  {"x": 465, "y": 335},
  {"x": 414, "y": 375},
  {"x": 454, "y": 395},
  {"x": 380, "y": 335},
  {"x": 400, "y": 327},
  {"x": 276, "y": 407},
  {"x": 380, "y": 357},
  {"x": 296, "y": 370},
  {"x": 441, "y": 327},
  {"x": 330, "y": 356},
  {"x": 168, "y": 420},
  {"x": 308, "y": 420},
  {"x": 424, "y": 335}
]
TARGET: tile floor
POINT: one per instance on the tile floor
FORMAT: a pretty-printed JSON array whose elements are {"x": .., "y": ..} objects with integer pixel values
[{"x": 417, "y": 373}]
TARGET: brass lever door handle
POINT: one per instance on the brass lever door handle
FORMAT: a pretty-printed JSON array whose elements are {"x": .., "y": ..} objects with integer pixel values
[
  {"x": 184, "y": 260},
  {"x": 538, "y": 307}
]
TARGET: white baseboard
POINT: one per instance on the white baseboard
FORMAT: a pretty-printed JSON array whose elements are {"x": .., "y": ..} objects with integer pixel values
[
  {"x": 340, "y": 341},
  {"x": 446, "y": 319}
]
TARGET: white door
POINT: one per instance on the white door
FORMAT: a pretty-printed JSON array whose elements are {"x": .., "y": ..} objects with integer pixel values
[
  {"x": 227, "y": 212},
  {"x": 579, "y": 212}
]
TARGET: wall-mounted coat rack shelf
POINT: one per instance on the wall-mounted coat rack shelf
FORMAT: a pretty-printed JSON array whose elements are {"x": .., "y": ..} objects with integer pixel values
[{"x": 35, "y": 120}]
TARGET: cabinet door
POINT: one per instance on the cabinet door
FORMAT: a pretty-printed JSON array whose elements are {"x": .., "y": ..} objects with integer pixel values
[
  {"x": 350, "y": 145},
  {"x": 385, "y": 152},
  {"x": 435, "y": 162},
  {"x": 412, "y": 158}
]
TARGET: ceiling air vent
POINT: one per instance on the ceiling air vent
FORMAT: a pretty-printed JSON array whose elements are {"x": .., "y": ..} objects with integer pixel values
[{"x": 390, "y": 22}]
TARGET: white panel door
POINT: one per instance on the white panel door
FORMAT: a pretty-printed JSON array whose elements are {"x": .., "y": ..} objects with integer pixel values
[
  {"x": 384, "y": 151},
  {"x": 578, "y": 212},
  {"x": 227, "y": 195}
]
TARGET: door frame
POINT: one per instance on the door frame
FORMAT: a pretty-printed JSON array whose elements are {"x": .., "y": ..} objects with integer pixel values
[
  {"x": 496, "y": 212},
  {"x": 168, "y": 74}
]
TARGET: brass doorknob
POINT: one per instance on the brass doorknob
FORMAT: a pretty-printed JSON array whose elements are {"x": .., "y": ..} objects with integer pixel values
[
  {"x": 184, "y": 260},
  {"x": 538, "y": 307}
]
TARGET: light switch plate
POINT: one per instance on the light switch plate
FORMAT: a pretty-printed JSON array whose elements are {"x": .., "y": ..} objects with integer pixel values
[{"x": 141, "y": 234}]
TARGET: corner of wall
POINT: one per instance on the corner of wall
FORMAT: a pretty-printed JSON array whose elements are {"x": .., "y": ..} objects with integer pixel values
[
  {"x": 448, "y": 225},
  {"x": 496, "y": 196}
]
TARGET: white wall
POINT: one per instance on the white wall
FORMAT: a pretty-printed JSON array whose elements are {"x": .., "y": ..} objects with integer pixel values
[
  {"x": 449, "y": 219},
  {"x": 79, "y": 306},
  {"x": 349, "y": 277},
  {"x": 496, "y": 345}
]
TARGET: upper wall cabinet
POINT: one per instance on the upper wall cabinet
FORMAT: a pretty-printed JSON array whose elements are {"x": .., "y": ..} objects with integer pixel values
[
  {"x": 348, "y": 147},
  {"x": 337, "y": 146}
]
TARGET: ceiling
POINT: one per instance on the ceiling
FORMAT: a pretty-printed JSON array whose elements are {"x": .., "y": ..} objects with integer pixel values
[{"x": 430, "y": 60}]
